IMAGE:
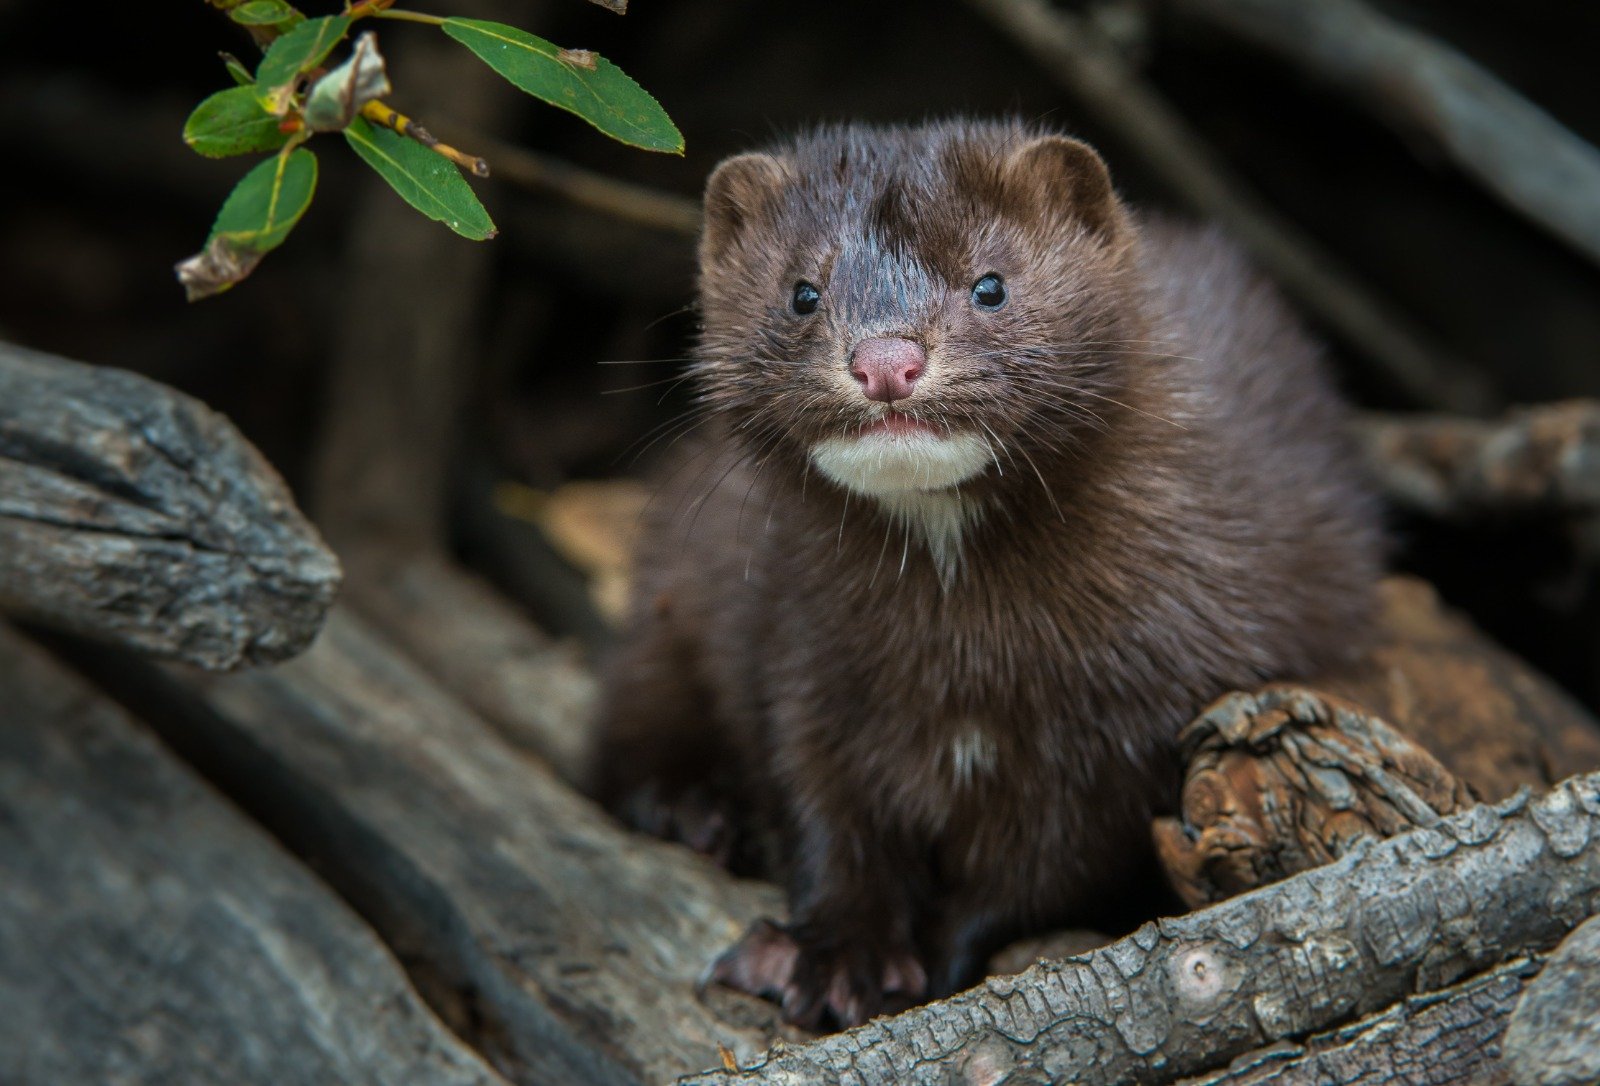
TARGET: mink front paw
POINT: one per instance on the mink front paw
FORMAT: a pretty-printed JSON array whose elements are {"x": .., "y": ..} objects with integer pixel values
[
  {"x": 693, "y": 816},
  {"x": 820, "y": 980}
]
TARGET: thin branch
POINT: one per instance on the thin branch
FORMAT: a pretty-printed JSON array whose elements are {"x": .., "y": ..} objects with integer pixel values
[
  {"x": 637, "y": 204},
  {"x": 1415, "y": 913},
  {"x": 1076, "y": 54},
  {"x": 1542, "y": 459},
  {"x": 1415, "y": 83},
  {"x": 379, "y": 113}
]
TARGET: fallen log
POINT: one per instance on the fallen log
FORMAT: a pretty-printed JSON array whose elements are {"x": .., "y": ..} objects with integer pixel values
[
  {"x": 1287, "y": 779},
  {"x": 1444, "y": 1038},
  {"x": 150, "y": 934},
  {"x": 1543, "y": 459},
  {"x": 1554, "y": 1034},
  {"x": 1486, "y": 715},
  {"x": 553, "y": 941},
  {"x": 1408, "y": 915},
  {"x": 133, "y": 513}
]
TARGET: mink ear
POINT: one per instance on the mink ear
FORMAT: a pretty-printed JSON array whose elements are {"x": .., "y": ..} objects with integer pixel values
[
  {"x": 739, "y": 191},
  {"x": 1068, "y": 177}
]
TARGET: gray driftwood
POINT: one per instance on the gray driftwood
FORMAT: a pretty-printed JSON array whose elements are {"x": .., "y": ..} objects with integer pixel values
[
  {"x": 1554, "y": 1037},
  {"x": 552, "y": 940},
  {"x": 1410, "y": 914},
  {"x": 1418, "y": 84},
  {"x": 133, "y": 513},
  {"x": 472, "y": 641},
  {"x": 1446, "y": 1038},
  {"x": 150, "y": 935}
]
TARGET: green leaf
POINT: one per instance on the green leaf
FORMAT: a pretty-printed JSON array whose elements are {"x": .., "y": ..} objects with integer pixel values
[
  {"x": 266, "y": 203},
  {"x": 300, "y": 50},
  {"x": 264, "y": 13},
  {"x": 232, "y": 122},
  {"x": 257, "y": 215},
  {"x": 603, "y": 96},
  {"x": 425, "y": 180},
  {"x": 241, "y": 75}
]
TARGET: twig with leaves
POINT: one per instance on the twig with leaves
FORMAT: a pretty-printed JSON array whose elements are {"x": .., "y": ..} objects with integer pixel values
[{"x": 292, "y": 96}]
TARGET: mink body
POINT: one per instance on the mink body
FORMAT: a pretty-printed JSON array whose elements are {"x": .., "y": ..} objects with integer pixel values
[{"x": 953, "y": 682}]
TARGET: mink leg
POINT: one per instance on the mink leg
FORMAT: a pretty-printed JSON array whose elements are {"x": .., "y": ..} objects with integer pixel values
[
  {"x": 848, "y": 955},
  {"x": 660, "y": 763}
]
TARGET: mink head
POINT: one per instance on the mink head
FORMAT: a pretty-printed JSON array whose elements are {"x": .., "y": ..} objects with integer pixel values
[{"x": 914, "y": 308}]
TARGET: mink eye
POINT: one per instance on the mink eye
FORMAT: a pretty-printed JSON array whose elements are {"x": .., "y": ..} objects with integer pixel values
[
  {"x": 989, "y": 292},
  {"x": 805, "y": 298}
]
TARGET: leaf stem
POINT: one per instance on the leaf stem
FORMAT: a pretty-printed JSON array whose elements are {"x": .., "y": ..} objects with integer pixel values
[
  {"x": 378, "y": 113},
  {"x": 406, "y": 16}
]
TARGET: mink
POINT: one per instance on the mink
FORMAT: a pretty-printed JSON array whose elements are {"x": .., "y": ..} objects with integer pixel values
[{"x": 993, "y": 483}]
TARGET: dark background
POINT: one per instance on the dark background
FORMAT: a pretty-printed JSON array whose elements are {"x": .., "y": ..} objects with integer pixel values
[{"x": 99, "y": 197}]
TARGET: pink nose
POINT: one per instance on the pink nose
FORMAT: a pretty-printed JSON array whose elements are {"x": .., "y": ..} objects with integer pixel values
[{"x": 887, "y": 368}]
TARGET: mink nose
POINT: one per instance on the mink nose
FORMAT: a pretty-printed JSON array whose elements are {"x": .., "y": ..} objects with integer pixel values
[{"x": 887, "y": 368}]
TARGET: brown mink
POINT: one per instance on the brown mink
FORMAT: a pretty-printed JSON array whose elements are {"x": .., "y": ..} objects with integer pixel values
[{"x": 996, "y": 484}]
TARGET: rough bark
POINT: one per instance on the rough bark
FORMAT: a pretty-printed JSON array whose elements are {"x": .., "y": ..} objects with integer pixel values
[
  {"x": 535, "y": 691},
  {"x": 1554, "y": 1034},
  {"x": 1287, "y": 779},
  {"x": 132, "y": 513},
  {"x": 1543, "y": 459},
  {"x": 1075, "y": 53},
  {"x": 149, "y": 934},
  {"x": 1452, "y": 1037},
  {"x": 1410, "y": 914},
  {"x": 556, "y": 943},
  {"x": 1491, "y": 719},
  {"x": 1514, "y": 148}
]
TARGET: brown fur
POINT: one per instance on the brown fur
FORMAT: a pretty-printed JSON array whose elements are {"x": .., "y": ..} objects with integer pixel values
[{"x": 1172, "y": 513}]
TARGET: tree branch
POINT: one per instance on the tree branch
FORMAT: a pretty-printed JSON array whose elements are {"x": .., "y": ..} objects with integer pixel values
[
  {"x": 1072, "y": 50},
  {"x": 1514, "y": 148},
  {"x": 1410, "y": 914}
]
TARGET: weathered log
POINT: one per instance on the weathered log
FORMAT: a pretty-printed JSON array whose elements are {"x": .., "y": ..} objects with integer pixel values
[
  {"x": 149, "y": 934},
  {"x": 555, "y": 942},
  {"x": 1419, "y": 84},
  {"x": 1291, "y": 777},
  {"x": 1554, "y": 1035},
  {"x": 1287, "y": 779},
  {"x": 488, "y": 655},
  {"x": 1076, "y": 54},
  {"x": 1543, "y": 459},
  {"x": 536, "y": 692},
  {"x": 1446, "y": 1038},
  {"x": 133, "y": 513},
  {"x": 1487, "y": 716},
  {"x": 1410, "y": 914}
]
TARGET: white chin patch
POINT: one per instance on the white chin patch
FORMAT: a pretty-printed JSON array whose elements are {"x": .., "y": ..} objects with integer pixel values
[
  {"x": 891, "y": 465},
  {"x": 913, "y": 477}
]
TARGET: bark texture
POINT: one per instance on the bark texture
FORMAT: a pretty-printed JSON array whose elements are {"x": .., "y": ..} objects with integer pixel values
[
  {"x": 1407, "y": 915},
  {"x": 1554, "y": 1037},
  {"x": 1543, "y": 459},
  {"x": 150, "y": 935},
  {"x": 132, "y": 513},
  {"x": 535, "y": 691},
  {"x": 1492, "y": 720},
  {"x": 1287, "y": 779},
  {"x": 561, "y": 946},
  {"x": 1452, "y": 1037}
]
